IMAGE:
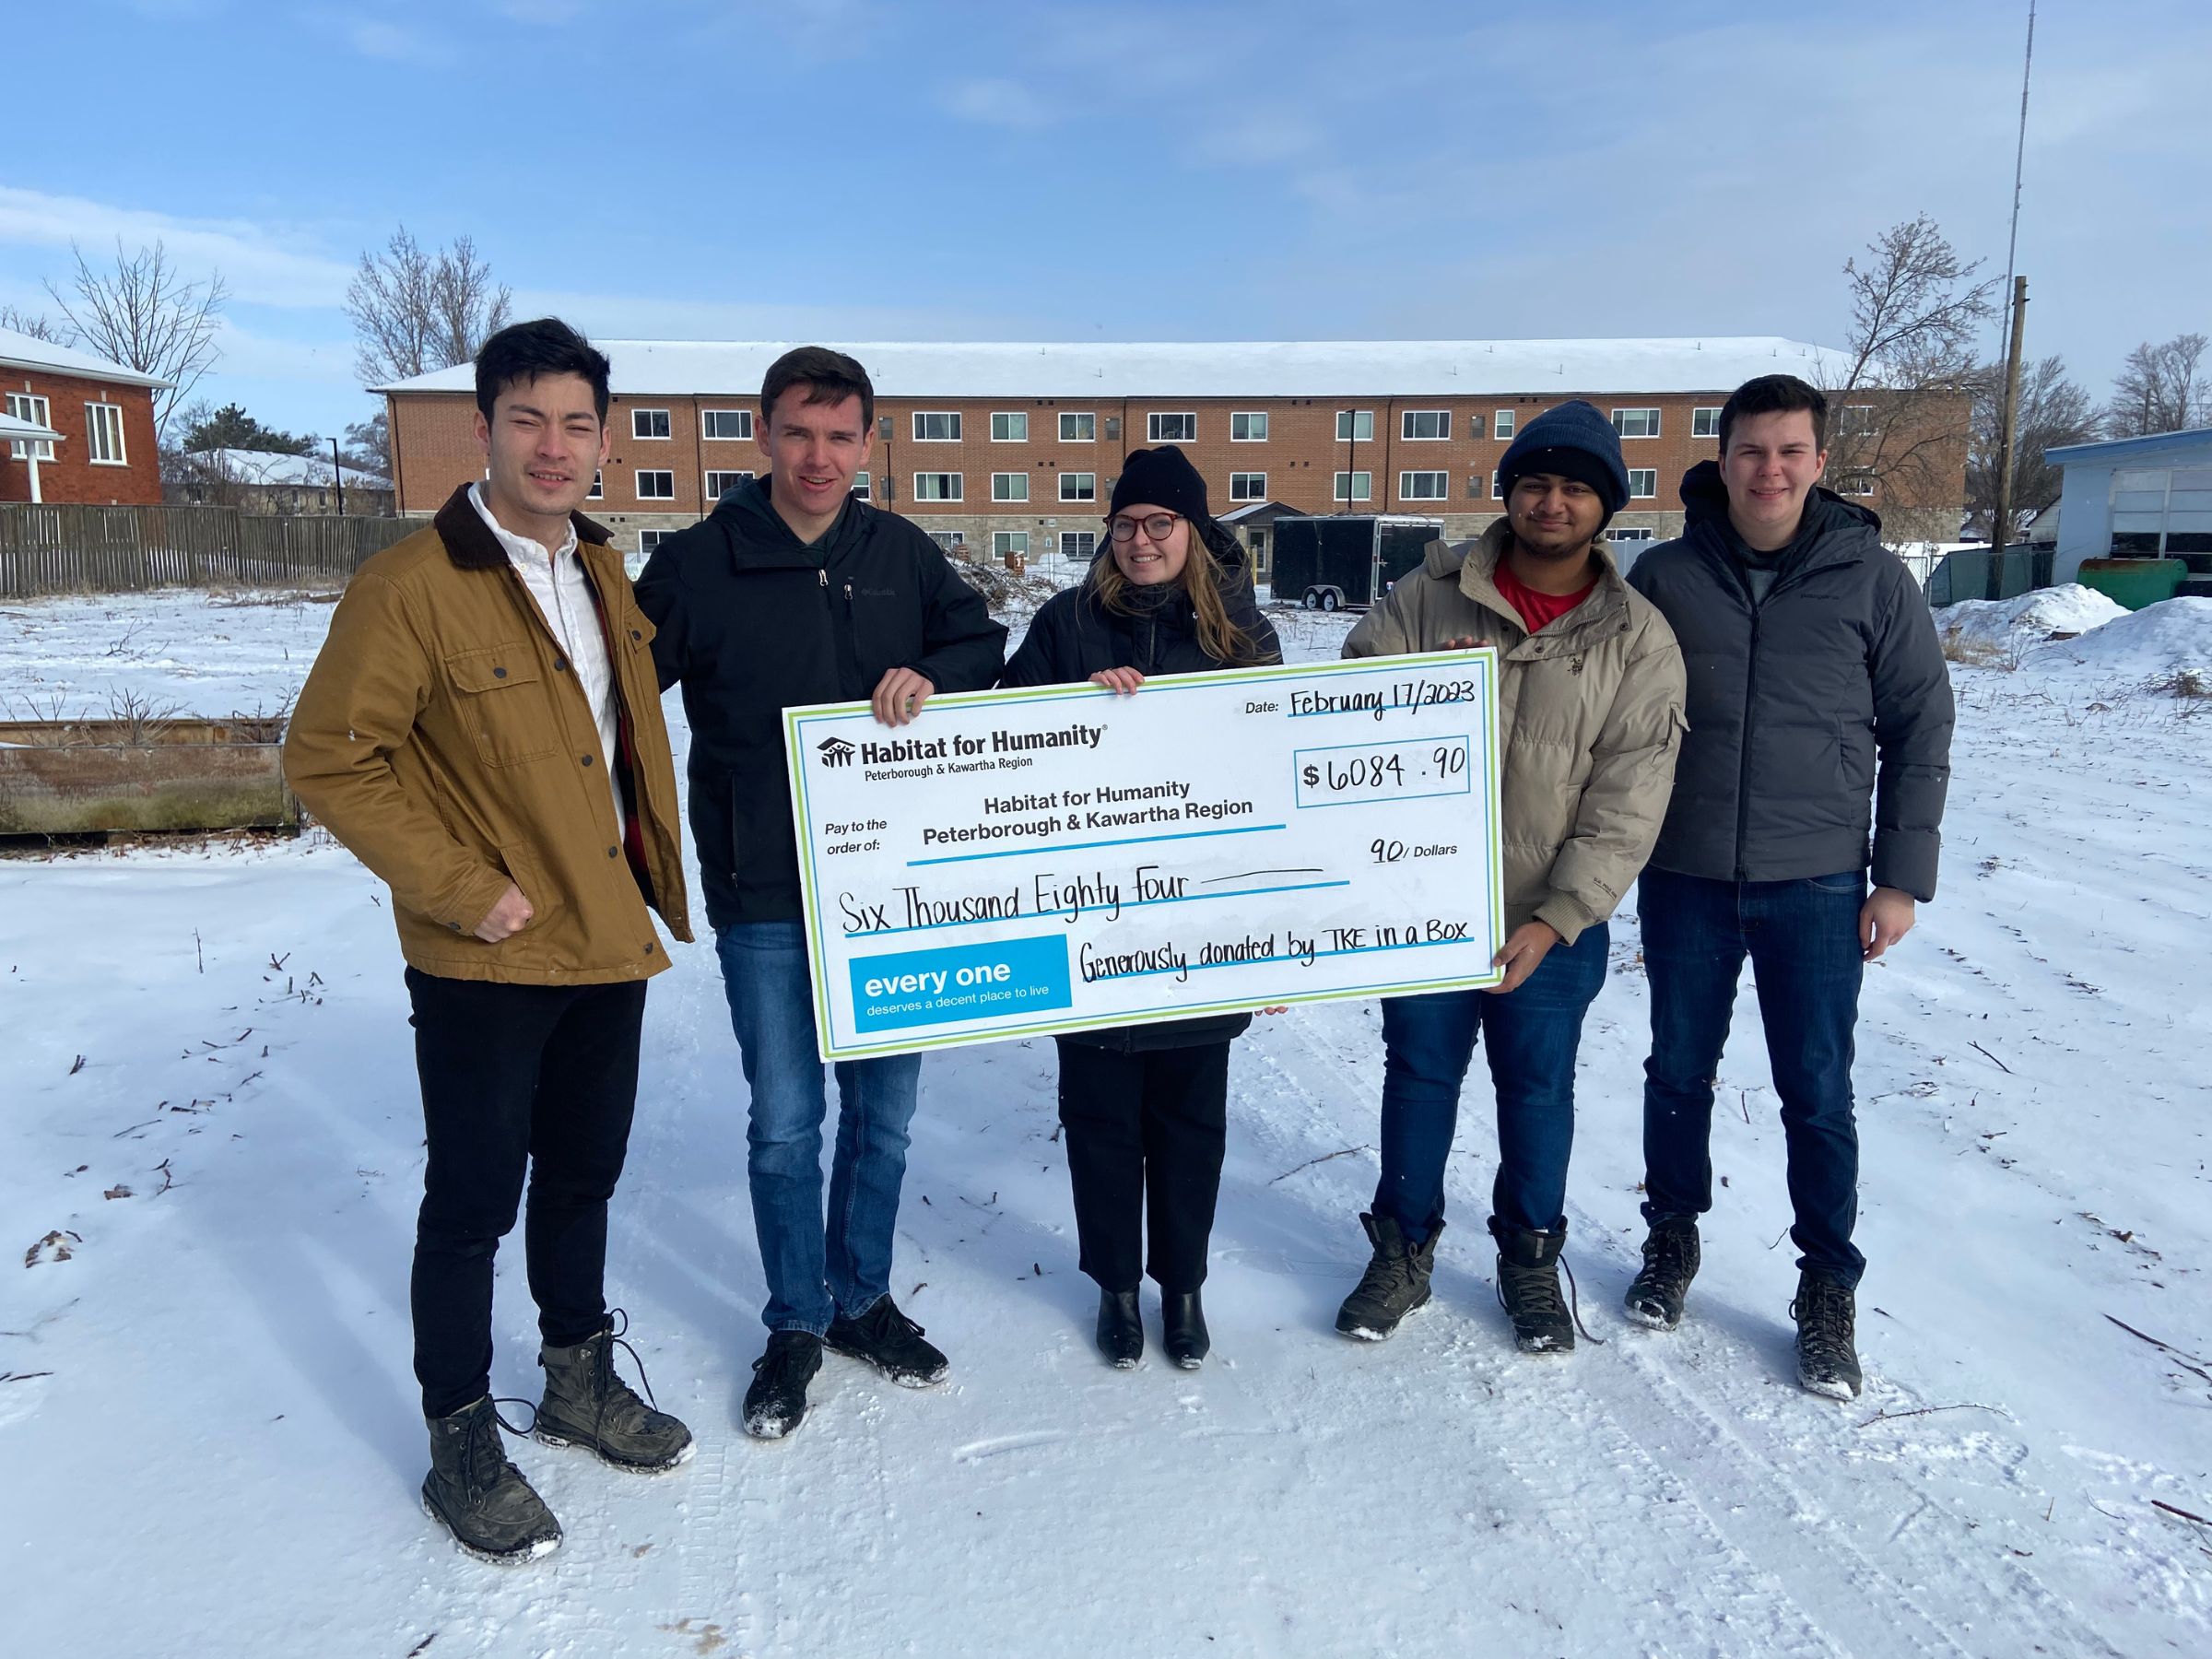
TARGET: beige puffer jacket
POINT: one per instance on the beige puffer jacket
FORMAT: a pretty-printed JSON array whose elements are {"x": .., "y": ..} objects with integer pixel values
[{"x": 1589, "y": 715}]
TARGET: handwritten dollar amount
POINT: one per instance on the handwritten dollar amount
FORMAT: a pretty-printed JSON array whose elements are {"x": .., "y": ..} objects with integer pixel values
[{"x": 1382, "y": 771}]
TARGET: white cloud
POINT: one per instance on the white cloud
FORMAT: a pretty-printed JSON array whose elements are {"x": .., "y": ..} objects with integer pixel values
[
  {"x": 995, "y": 102},
  {"x": 260, "y": 264}
]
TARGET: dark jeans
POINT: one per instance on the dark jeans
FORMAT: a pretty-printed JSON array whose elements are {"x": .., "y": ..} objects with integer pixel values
[
  {"x": 516, "y": 1079},
  {"x": 1145, "y": 1137},
  {"x": 1803, "y": 939},
  {"x": 1532, "y": 1035}
]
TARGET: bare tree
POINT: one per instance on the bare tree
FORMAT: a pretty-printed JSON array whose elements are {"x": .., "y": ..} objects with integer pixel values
[
  {"x": 1898, "y": 407},
  {"x": 369, "y": 445},
  {"x": 2160, "y": 389},
  {"x": 143, "y": 315},
  {"x": 2054, "y": 411},
  {"x": 414, "y": 311},
  {"x": 37, "y": 324}
]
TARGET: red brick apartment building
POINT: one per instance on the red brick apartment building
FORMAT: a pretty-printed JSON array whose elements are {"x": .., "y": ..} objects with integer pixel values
[
  {"x": 101, "y": 417},
  {"x": 1013, "y": 449}
]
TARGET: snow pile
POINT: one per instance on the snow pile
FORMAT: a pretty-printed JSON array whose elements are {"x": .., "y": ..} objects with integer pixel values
[
  {"x": 1975, "y": 627},
  {"x": 2153, "y": 646}
]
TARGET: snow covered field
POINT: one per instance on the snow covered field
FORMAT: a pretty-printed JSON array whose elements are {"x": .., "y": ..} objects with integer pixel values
[{"x": 210, "y": 1157}]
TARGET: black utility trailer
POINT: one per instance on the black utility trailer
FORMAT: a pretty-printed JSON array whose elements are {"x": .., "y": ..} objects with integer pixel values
[{"x": 1338, "y": 561}]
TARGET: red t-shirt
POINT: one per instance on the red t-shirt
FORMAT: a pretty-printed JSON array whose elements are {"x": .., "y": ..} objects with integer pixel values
[{"x": 1537, "y": 609}]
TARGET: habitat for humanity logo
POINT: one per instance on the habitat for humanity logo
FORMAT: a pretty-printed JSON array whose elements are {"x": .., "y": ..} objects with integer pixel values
[{"x": 835, "y": 751}]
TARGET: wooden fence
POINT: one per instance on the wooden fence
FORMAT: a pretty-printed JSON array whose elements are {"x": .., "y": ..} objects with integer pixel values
[{"x": 79, "y": 549}]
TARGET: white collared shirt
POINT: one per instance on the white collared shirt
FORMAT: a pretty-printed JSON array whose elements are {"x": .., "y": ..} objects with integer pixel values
[{"x": 563, "y": 594}]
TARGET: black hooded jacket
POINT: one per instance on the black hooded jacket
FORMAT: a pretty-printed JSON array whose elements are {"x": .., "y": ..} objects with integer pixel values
[
  {"x": 754, "y": 621},
  {"x": 1802, "y": 706}
]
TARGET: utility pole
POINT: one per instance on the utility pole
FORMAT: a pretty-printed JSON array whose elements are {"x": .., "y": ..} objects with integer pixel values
[
  {"x": 337, "y": 475},
  {"x": 2000, "y": 528}
]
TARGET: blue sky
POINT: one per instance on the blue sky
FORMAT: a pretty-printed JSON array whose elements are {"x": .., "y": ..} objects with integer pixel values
[{"x": 855, "y": 170}]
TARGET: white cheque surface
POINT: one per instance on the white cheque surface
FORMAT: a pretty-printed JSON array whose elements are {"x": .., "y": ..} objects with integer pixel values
[{"x": 1058, "y": 858}]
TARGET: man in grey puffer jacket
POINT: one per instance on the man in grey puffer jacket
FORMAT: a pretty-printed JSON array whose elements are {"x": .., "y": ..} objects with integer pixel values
[{"x": 1821, "y": 715}]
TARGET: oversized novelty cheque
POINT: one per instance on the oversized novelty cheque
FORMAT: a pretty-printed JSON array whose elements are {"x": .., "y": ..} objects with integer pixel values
[{"x": 1018, "y": 862}]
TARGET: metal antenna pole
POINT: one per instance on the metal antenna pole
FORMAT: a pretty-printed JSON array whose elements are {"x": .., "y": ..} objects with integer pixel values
[{"x": 2015, "y": 297}]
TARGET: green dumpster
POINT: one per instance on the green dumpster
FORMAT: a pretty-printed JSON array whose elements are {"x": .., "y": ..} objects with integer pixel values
[{"x": 2134, "y": 583}]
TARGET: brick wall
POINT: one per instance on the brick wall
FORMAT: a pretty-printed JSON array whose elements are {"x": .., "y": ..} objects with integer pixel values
[{"x": 73, "y": 475}]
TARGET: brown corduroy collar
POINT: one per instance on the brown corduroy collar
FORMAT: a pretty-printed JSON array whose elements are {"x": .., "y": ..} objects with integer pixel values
[{"x": 470, "y": 544}]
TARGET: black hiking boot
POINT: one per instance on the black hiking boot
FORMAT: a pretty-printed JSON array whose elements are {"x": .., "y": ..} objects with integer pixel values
[
  {"x": 1182, "y": 1331},
  {"x": 587, "y": 1405},
  {"x": 889, "y": 1341},
  {"x": 1121, "y": 1329},
  {"x": 1826, "y": 1311},
  {"x": 1528, "y": 1287},
  {"x": 1670, "y": 1262},
  {"x": 481, "y": 1498},
  {"x": 776, "y": 1402},
  {"x": 1395, "y": 1282}
]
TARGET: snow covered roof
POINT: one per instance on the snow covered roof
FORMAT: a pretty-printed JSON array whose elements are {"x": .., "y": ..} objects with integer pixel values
[
  {"x": 13, "y": 430},
  {"x": 261, "y": 466},
  {"x": 24, "y": 351},
  {"x": 2131, "y": 449},
  {"x": 1217, "y": 368}
]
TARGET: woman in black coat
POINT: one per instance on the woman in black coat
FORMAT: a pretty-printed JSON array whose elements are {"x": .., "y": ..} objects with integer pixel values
[{"x": 1144, "y": 1107}]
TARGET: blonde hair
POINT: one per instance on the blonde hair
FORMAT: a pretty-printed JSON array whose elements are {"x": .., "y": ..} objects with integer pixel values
[{"x": 1202, "y": 576}]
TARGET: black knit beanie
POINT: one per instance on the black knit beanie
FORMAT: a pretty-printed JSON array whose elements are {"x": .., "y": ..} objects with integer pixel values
[{"x": 1161, "y": 478}]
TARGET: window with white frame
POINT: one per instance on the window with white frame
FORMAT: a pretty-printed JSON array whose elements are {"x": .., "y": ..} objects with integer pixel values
[
  {"x": 1497, "y": 486},
  {"x": 861, "y": 486},
  {"x": 1355, "y": 487},
  {"x": 657, "y": 487},
  {"x": 27, "y": 406},
  {"x": 1248, "y": 426},
  {"x": 1423, "y": 486},
  {"x": 725, "y": 423},
  {"x": 1247, "y": 486},
  {"x": 1631, "y": 533},
  {"x": 103, "y": 434},
  {"x": 1705, "y": 423},
  {"x": 1643, "y": 482},
  {"x": 936, "y": 426},
  {"x": 1478, "y": 425},
  {"x": 718, "y": 483},
  {"x": 1079, "y": 426},
  {"x": 1856, "y": 484},
  {"x": 952, "y": 541},
  {"x": 598, "y": 490},
  {"x": 1003, "y": 542},
  {"x": 1079, "y": 544},
  {"x": 1354, "y": 425},
  {"x": 1636, "y": 423},
  {"x": 937, "y": 487},
  {"x": 1009, "y": 486},
  {"x": 650, "y": 539},
  {"x": 1010, "y": 425},
  {"x": 649, "y": 424},
  {"x": 1424, "y": 425},
  {"x": 1173, "y": 428},
  {"x": 1856, "y": 420},
  {"x": 1078, "y": 486},
  {"x": 1502, "y": 425}
]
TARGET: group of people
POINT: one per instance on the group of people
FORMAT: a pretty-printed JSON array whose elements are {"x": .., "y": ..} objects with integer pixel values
[{"x": 1754, "y": 724}]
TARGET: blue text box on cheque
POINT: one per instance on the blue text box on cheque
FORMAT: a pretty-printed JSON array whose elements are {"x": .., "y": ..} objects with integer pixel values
[{"x": 958, "y": 981}]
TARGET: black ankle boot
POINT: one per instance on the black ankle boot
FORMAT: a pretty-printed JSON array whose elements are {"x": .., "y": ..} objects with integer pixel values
[
  {"x": 1184, "y": 1334},
  {"x": 1121, "y": 1329}
]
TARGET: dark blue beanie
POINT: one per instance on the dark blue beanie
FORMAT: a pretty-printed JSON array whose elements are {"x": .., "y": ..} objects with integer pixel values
[{"x": 1575, "y": 442}]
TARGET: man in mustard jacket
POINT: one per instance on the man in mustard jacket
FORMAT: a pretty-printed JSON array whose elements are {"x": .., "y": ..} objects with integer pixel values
[{"x": 483, "y": 730}]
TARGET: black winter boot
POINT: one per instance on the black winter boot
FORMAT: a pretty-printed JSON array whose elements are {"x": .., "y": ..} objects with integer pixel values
[
  {"x": 1121, "y": 1329},
  {"x": 1670, "y": 1262},
  {"x": 775, "y": 1404},
  {"x": 587, "y": 1405},
  {"x": 1528, "y": 1287},
  {"x": 889, "y": 1341},
  {"x": 1183, "y": 1329},
  {"x": 1395, "y": 1282},
  {"x": 1826, "y": 1311},
  {"x": 481, "y": 1498}
]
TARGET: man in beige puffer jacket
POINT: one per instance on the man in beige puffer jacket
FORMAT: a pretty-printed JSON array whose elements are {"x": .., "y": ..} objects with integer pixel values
[{"x": 1590, "y": 717}]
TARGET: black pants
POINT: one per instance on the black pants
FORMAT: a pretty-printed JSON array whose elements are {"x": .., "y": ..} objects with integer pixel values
[
  {"x": 516, "y": 1079},
  {"x": 1145, "y": 1137}
]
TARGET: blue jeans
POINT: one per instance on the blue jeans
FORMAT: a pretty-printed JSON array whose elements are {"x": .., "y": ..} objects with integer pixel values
[
  {"x": 815, "y": 1268},
  {"x": 1532, "y": 1034},
  {"x": 1803, "y": 939}
]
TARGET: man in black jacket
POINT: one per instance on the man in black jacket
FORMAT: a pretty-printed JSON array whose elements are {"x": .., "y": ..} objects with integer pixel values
[
  {"x": 1815, "y": 682},
  {"x": 791, "y": 592}
]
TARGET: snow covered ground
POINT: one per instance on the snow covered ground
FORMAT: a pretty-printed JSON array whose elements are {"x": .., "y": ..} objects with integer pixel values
[{"x": 210, "y": 1157}]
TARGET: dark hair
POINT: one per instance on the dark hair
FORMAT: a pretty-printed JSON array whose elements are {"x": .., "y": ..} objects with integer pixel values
[
  {"x": 520, "y": 354},
  {"x": 1775, "y": 394},
  {"x": 829, "y": 376}
]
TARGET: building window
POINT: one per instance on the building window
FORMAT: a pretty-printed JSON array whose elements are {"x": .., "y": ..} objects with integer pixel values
[
  {"x": 657, "y": 487},
  {"x": 952, "y": 541},
  {"x": 26, "y": 405},
  {"x": 1355, "y": 487},
  {"x": 1705, "y": 423},
  {"x": 1856, "y": 420},
  {"x": 649, "y": 423},
  {"x": 1856, "y": 484},
  {"x": 1010, "y": 427},
  {"x": 720, "y": 483},
  {"x": 1078, "y": 486},
  {"x": 1630, "y": 533},
  {"x": 650, "y": 539},
  {"x": 936, "y": 426},
  {"x": 598, "y": 490},
  {"x": 1425, "y": 426},
  {"x": 1003, "y": 542},
  {"x": 937, "y": 487},
  {"x": 1644, "y": 481},
  {"x": 1354, "y": 425},
  {"x": 1248, "y": 427},
  {"x": 1423, "y": 486},
  {"x": 725, "y": 423},
  {"x": 1247, "y": 486},
  {"x": 1476, "y": 425},
  {"x": 860, "y": 486},
  {"x": 1009, "y": 486},
  {"x": 1078, "y": 426},
  {"x": 1497, "y": 486},
  {"x": 1079, "y": 544},
  {"x": 1502, "y": 424},
  {"x": 1173, "y": 428},
  {"x": 103, "y": 434},
  {"x": 1636, "y": 423}
]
